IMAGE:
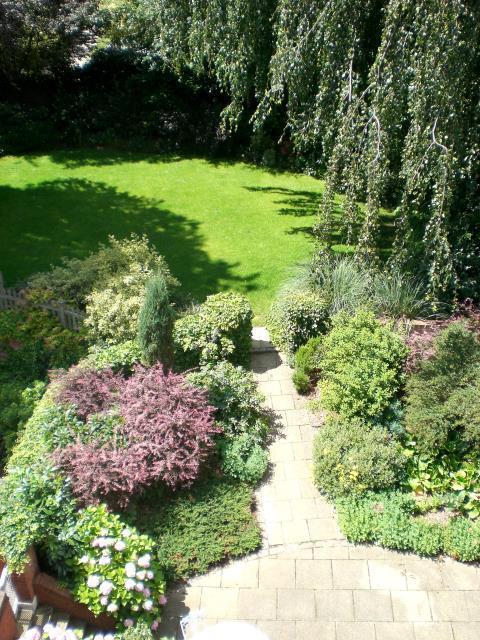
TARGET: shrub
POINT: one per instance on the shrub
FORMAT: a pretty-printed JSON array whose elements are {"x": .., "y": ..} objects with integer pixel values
[
  {"x": 233, "y": 391},
  {"x": 203, "y": 526},
  {"x": 443, "y": 397},
  {"x": 90, "y": 391},
  {"x": 350, "y": 457},
  {"x": 219, "y": 330},
  {"x": 166, "y": 436},
  {"x": 76, "y": 278},
  {"x": 155, "y": 323},
  {"x": 114, "y": 570},
  {"x": 35, "y": 507},
  {"x": 296, "y": 317},
  {"x": 16, "y": 406},
  {"x": 32, "y": 342},
  {"x": 361, "y": 366},
  {"x": 462, "y": 539},
  {"x": 243, "y": 459},
  {"x": 120, "y": 358},
  {"x": 341, "y": 281},
  {"x": 307, "y": 364}
]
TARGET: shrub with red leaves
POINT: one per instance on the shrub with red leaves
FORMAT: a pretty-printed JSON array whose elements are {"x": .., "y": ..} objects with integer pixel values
[
  {"x": 89, "y": 390},
  {"x": 167, "y": 434}
]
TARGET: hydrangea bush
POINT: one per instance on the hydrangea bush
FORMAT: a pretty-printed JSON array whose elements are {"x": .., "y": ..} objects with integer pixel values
[{"x": 117, "y": 573}]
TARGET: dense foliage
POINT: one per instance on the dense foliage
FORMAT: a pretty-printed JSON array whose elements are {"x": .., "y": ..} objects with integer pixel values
[
  {"x": 351, "y": 457},
  {"x": 202, "y": 526},
  {"x": 395, "y": 520},
  {"x": 361, "y": 366},
  {"x": 165, "y": 434},
  {"x": 220, "y": 329},
  {"x": 239, "y": 413},
  {"x": 295, "y": 317}
]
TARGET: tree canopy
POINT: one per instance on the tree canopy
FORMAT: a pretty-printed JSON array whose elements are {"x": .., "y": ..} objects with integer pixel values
[{"x": 382, "y": 95}]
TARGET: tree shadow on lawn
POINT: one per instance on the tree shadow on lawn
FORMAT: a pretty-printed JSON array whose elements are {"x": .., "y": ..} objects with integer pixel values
[
  {"x": 42, "y": 223},
  {"x": 103, "y": 157}
]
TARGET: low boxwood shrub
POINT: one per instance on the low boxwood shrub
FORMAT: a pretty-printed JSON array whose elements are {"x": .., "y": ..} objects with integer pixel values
[
  {"x": 242, "y": 458},
  {"x": 462, "y": 539},
  {"x": 307, "y": 364},
  {"x": 352, "y": 457},
  {"x": 296, "y": 317},
  {"x": 220, "y": 329},
  {"x": 197, "y": 528},
  {"x": 361, "y": 367}
]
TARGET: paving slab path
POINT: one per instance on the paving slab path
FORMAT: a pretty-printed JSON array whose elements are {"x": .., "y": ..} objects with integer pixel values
[{"x": 307, "y": 582}]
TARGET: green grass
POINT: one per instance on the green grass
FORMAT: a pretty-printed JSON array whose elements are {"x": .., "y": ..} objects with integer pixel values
[{"x": 220, "y": 225}]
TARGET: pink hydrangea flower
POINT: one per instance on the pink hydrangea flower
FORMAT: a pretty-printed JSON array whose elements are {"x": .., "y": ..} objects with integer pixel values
[
  {"x": 139, "y": 586},
  {"x": 130, "y": 570},
  {"x": 106, "y": 588},
  {"x": 150, "y": 575},
  {"x": 144, "y": 561},
  {"x": 104, "y": 601},
  {"x": 130, "y": 584},
  {"x": 32, "y": 634},
  {"x": 112, "y": 607},
  {"x": 93, "y": 581},
  {"x": 140, "y": 575},
  {"x": 128, "y": 622},
  {"x": 163, "y": 600},
  {"x": 104, "y": 560},
  {"x": 148, "y": 605},
  {"x": 154, "y": 625},
  {"x": 147, "y": 592},
  {"x": 120, "y": 545}
]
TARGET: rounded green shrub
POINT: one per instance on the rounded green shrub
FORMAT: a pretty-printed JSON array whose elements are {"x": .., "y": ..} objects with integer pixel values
[
  {"x": 296, "y": 317},
  {"x": 243, "y": 459},
  {"x": 351, "y": 457},
  {"x": 220, "y": 329},
  {"x": 120, "y": 358},
  {"x": 361, "y": 366}
]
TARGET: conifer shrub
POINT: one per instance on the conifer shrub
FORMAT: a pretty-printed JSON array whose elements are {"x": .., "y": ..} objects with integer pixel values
[
  {"x": 307, "y": 363},
  {"x": 443, "y": 396},
  {"x": 155, "y": 323}
]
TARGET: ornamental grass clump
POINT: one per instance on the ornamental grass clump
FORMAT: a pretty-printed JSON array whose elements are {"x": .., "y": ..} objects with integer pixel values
[{"x": 165, "y": 434}]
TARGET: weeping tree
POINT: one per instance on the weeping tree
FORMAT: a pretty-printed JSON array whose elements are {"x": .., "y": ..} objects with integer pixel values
[{"x": 383, "y": 96}]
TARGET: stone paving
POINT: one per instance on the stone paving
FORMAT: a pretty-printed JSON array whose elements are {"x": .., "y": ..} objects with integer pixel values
[{"x": 307, "y": 582}]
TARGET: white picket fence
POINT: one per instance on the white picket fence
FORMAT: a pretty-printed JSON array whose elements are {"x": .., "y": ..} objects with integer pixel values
[{"x": 69, "y": 318}]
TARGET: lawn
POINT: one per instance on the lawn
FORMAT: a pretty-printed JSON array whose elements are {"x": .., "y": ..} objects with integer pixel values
[{"x": 220, "y": 225}]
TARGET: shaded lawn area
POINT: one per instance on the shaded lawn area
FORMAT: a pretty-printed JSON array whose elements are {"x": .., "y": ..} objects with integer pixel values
[{"x": 220, "y": 225}]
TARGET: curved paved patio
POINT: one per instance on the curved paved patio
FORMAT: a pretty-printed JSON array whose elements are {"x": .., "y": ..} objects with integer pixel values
[{"x": 308, "y": 582}]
